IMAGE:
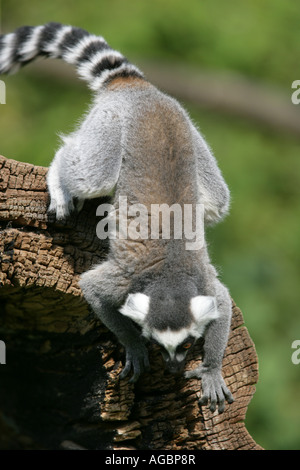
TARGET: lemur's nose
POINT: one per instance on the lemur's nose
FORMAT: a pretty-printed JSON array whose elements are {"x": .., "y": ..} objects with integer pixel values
[{"x": 175, "y": 367}]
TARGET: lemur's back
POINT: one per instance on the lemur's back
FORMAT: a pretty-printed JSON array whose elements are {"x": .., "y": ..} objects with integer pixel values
[
  {"x": 157, "y": 168},
  {"x": 158, "y": 159}
]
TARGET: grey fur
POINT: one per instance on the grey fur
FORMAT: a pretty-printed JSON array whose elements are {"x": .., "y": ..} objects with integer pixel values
[{"x": 139, "y": 143}]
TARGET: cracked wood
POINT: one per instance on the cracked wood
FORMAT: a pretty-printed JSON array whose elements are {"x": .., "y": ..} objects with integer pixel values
[{"x": 60, "y": 387}]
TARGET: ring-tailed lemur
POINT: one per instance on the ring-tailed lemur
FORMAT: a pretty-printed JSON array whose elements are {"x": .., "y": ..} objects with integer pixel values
[{"x": 139, "y": 143}]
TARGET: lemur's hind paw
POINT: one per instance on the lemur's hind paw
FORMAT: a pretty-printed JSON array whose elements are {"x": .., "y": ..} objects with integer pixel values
[
  {"x": 214, "y": 390},
  {"x": 137, "y": 360},
  {"x": 61, "y": 210}
]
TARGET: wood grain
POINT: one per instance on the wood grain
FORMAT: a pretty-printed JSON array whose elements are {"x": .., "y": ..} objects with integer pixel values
[{"x": 60, "y": 387}]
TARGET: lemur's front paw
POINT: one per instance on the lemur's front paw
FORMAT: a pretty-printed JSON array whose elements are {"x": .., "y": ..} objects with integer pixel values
[
  {"x": 214, "y": 390},
  {"x": 136, "y": 359}
]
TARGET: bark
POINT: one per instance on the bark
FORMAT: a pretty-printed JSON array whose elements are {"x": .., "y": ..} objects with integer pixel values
[{"x": 60, "y": 387}]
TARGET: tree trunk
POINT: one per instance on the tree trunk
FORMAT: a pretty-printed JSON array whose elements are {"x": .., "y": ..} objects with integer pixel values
[{"x": 60, "y": 385}]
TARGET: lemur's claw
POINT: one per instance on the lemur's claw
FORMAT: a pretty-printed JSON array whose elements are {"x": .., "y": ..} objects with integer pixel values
[
  {"x": 136, "y": 360},
  {"x": 214, "y": 390}
]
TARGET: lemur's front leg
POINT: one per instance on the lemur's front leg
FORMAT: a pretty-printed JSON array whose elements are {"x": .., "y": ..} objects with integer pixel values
[
  {"x": 105, "y": 288},
  {"x": 213, "y": 191},
  {"x": 214, "y": 390}
]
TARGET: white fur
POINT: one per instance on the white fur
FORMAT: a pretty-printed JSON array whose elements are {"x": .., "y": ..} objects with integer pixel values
[
  {"x": 6, "y": 52},
  {"x": 85, "y": 69},
  {"x": 180, "y": 357},
  {"x": 136, "y": 307},
  {"x": 73, "y": 54},
  {"x": 52, "y": 47},
  {"x": 211, "y": 208},
  {"x": 30, "y": 48},
  {"x": 97, "y": 82},
  {"x": 204, "y": 309},
  {"x": 170, "y": 339}
]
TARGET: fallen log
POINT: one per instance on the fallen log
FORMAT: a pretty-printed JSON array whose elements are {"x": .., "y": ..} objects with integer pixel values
[{"x": 60, "y": 386}]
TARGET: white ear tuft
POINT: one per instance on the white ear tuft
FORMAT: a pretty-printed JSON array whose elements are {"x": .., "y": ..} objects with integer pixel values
[
  {"x": 204, "y": 309},
  {"x": 136, "y": 307}
]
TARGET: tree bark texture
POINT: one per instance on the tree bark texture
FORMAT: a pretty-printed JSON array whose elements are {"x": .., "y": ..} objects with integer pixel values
[{"x": 60, "y": 386}]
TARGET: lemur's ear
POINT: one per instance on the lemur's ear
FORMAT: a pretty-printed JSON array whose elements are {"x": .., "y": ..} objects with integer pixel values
[
  {"x": 136, "y": 307},
  {"x": 204, "y": 309}
]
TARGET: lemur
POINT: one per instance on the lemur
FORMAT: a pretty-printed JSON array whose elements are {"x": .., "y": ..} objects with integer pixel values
[{"x": 139, "y": 143}]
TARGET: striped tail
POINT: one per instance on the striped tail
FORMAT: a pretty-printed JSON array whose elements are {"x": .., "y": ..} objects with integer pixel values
[{"x": 95, "y": 61}]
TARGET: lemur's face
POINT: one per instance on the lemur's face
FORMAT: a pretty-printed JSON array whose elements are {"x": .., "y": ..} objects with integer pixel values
[
  {"x": 175, "y": 334},
  {"x": 174, "y": 346}
]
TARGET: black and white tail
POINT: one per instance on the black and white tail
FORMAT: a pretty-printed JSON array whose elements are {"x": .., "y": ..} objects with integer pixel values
[{"x": 95, "y": 61}]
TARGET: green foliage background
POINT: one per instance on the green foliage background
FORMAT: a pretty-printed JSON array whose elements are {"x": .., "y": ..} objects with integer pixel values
[{"x": 257, "y": 247}]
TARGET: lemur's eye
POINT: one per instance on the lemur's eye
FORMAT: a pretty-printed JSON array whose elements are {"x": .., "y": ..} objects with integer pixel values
[{"x": 187, "y": 345}]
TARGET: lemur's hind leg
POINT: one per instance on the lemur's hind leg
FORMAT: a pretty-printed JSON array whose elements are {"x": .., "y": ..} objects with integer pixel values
[
  {"x": 61, "y": 201},
  {"x": 213, "y": 191},
  {"x": 88, "y": 164}
]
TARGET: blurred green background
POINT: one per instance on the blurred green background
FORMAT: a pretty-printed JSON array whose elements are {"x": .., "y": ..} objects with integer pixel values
[{"x": 257, "y": 247}]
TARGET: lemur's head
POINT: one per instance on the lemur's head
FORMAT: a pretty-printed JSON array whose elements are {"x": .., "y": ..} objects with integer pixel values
[{"x": 173, "y": 320}]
